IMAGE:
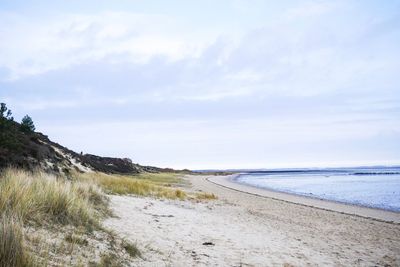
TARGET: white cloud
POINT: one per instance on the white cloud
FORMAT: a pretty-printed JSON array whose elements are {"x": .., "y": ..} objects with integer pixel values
[
  {"x": 311, "y": 79},
  {"x": 35, "y": 46}
]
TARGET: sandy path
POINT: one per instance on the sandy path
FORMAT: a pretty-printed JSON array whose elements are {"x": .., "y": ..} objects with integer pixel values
[{"x": 247, "y": 230}]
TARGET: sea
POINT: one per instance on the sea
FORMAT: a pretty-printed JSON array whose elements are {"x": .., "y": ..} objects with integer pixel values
[{"x": 375, "y": 187}]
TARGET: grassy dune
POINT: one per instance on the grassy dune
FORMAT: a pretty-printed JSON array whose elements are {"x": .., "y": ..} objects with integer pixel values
[
  {"x": 44, "y": 198},
  {"x": 43, "y": 201},
  {"x": 46, "y": 218}
]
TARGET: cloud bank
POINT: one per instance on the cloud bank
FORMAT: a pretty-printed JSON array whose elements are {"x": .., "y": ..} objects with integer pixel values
[{"x": 258, "y": 84}]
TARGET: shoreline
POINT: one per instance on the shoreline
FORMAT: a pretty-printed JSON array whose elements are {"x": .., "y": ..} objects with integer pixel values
[
  {"x": 244, "y": 229},
  {"x": 308, "y": 201}
]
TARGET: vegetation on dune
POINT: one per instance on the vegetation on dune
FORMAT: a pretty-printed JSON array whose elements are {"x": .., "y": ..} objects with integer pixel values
[
  {"x": 45, "y": 201},
  {"x": 206, "y": 196},
  {"x": 131, "y": 249},
  {"x": 8, "y": 133},
  {"x": 165, "y": 179},
  {"x": 142, "y": 185},
  {"x": 27, "y": 125},
  {"x": 48, "y": 195},
  {"x": 43, "y": 198},
  {"x": 22, "y": 147},
  {"x": 12, "y": 250}
]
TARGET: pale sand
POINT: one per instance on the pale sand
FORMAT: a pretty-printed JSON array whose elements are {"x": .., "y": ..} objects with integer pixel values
[
  {"x": 250, "y": 230},
  {"x": 383, "y": 215}
]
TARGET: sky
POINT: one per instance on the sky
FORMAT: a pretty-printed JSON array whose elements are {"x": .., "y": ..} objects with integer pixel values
[{"x": 208, "y": 84}]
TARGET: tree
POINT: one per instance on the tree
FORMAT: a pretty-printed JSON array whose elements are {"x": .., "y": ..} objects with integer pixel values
[
  {"x": 27, "y": 125},
  {"x": 5, "y": 113},
  {"x": 8, "y": 131}
]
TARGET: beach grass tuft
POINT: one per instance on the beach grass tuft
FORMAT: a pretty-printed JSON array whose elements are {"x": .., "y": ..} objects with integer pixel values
[
  {"x": 12, "y": 251},
  {"x": 206, "y": 196},
  {"x": 42, "y": 198},
  {"x": 75, "y": 239},
  {"x": 131, "y": 249},
  {"x": 107, "y": 260}
]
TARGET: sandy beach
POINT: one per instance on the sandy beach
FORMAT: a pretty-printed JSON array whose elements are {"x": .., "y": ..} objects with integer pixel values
[{"x": 254, "y": 228}]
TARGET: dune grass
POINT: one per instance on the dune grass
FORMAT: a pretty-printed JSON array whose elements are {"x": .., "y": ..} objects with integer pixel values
[
  {"x": 42, "y": 198},
  {"x": 12, "y": 251},
  {"x": 131, "y": 249},
  {"x": 206, "y": 196},
  {"x": 165, "y": 179},
  {"x": 142, "y": 185}
]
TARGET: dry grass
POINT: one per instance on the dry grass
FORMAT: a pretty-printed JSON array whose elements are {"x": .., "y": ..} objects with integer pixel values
[
  {"x": 107, "y": 260},
  {"x": 142, "y": 185},
  {"x": 49, "y": 202},
  {"x": 131, "y": 249},
  {"x": 12, "y": 250},
  {"x": 43, "y": 198},
  {"x": 165, "y": 179},
  {"x": 76, "y": 239},
  {"x": 206, "y": 196}
]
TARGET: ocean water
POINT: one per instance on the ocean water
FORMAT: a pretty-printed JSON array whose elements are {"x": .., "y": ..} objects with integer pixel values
[{"x": 371, "y": 187}]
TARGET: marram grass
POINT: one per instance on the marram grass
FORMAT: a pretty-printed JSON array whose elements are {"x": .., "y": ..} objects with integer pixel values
[
  {"x": 44, "y": 198},
  {"x": 142, "y": 185},
  {"x": 206, "y": 196},
  {"x": 12, "y": 251}
]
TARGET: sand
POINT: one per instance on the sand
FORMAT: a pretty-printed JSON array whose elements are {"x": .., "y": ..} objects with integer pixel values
[{"x": 243, "y": 229}]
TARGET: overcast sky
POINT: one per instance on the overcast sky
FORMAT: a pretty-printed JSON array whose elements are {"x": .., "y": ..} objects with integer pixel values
[{"x": 208, "y": 84}]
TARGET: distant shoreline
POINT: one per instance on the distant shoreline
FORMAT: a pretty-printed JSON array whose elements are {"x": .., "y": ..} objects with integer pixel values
[{"x": 309, "y": 201}]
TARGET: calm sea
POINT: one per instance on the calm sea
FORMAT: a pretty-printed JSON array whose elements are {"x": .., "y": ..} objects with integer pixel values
[{"x": 377, "y": 187}]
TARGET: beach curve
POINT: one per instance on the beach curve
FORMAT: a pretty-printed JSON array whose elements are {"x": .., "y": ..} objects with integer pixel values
[
  {"x": 329, "y": 205},
  {"x": 242, "y": 229}
]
